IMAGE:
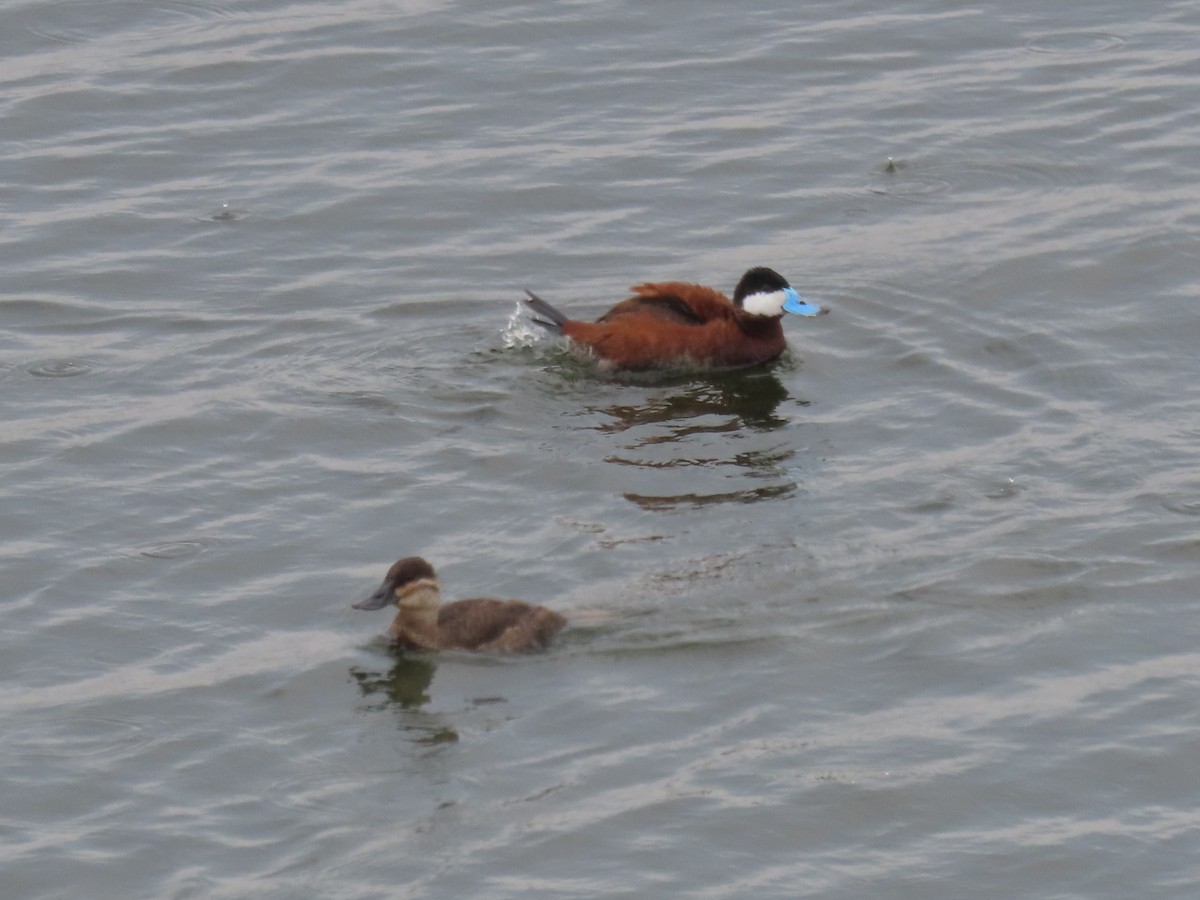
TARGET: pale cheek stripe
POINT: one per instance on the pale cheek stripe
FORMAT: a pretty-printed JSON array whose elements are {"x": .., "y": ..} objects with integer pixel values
[{"x": 765, "y": 304}]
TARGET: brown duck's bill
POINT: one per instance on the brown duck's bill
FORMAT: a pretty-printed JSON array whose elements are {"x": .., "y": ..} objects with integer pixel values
[{"x": 377, "y": 599}]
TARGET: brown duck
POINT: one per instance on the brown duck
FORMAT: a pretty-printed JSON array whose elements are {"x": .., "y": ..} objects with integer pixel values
[
  {"x": 423, "y": 622},
  {"x": 674, "y": 324}
]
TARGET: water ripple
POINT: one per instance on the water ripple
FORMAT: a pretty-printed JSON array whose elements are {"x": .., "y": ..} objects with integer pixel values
[
  {"x": 84, "y": 21},
  {"x": 1075, "y": 42},
  {"x": 173, "y": 549},
  {"x": 80, "y": 736},
  {"x": 966, "y": 180},
  {"x": 59, "y": 368}
]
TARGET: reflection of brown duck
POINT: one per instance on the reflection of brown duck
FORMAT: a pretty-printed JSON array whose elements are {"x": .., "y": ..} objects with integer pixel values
[
  {"x": 423, "y": 622},
  {"x": 722, "y": 402}
]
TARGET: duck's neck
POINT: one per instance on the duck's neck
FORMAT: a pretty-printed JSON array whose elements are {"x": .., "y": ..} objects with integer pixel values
[
  {"x": 416, "y": 621},
  {"x": 756, "y": 326}
]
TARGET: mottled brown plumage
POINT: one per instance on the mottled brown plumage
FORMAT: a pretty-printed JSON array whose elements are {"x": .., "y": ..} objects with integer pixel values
[{"x": 424, "y": 622}]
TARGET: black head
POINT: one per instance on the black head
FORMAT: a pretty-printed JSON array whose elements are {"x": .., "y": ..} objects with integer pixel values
[
  {"x": 759, "y": 280},
  {"x": 405, "y": 571}
]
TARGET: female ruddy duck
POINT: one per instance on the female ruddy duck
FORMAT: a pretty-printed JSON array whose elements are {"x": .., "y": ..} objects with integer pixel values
[
  {"x": 423, "y": 622},
  {"x": 673, "y": 324}
]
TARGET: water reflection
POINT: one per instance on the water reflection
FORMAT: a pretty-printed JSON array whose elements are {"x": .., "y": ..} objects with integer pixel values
[
  {"x": 652, "y": 503},
  {"x": 406, "y": 685},
  {"x": 683, "y": 432},
  {"x": 747, "y": 400}
]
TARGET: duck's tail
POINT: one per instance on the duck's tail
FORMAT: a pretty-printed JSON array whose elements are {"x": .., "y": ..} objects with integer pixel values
[{"x": 545, "y": 314}]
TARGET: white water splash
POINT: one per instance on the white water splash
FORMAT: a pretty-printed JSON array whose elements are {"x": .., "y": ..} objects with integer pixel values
[{"x": 519, "y": 331}]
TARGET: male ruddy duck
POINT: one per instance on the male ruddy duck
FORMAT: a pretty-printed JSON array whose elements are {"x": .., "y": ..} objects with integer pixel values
[
  {"x": 423, "y": 622},
  {"x": 675, "y": 324}
]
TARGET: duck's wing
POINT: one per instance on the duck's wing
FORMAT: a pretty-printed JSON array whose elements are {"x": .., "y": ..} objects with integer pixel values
[
  {"x": 469, "y": 623},
  {"x": 674, "y": 301},
  {"x": 485, "y": 624},
  {"x": 665, "y": 307}
]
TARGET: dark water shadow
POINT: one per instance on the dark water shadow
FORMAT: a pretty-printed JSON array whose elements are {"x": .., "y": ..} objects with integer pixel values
[
  {"x": 705, "y": 432},
  {"x": 657, "y": 503},
  {"x": 405, "y": 686},
  {"x": 746, "y": 399}
]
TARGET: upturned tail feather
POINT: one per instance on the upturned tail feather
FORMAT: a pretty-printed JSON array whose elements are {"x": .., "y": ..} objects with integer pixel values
[{"x": 547, "y": 316}]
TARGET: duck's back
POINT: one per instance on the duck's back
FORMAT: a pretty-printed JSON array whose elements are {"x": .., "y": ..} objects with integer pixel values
[
  {"x": 674, "y": 301},
  {"x": 484, "y": 624},
  {"x": 674, "y": 323}
]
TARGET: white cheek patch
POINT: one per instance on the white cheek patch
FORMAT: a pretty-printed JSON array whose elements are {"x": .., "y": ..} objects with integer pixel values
[{"x": 764, "y": 304}]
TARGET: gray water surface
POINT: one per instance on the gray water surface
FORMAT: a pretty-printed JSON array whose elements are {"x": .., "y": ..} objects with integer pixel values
[{"x": 909, "y": 613}]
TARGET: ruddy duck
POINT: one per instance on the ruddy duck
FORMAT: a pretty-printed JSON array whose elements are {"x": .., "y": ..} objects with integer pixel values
[
  {"x": 673, "y": 324},
  {"x": 423, "y": 622}
]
